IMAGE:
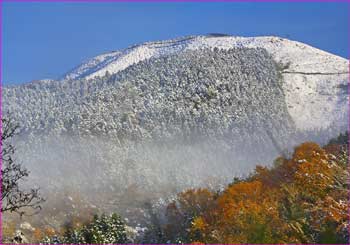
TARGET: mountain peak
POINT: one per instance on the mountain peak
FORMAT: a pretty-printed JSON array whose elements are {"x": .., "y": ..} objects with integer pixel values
[{"x": 300, "y": 57}]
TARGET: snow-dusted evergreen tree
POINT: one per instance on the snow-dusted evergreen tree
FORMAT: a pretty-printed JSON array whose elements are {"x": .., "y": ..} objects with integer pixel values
[{"x": 104, "y": 229}]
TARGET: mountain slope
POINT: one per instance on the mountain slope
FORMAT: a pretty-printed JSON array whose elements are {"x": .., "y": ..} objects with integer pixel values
[
  {"x": 301, "y": 57},
  {"x": 179, "y": 112},
  {"x": 311, "y": 76}
]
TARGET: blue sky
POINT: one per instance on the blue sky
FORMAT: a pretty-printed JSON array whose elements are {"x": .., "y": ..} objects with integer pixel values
[{"x": 45, "y": 40}]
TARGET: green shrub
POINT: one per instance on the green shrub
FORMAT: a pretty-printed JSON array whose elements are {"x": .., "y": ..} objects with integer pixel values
[{"x": 104, "y": 229}]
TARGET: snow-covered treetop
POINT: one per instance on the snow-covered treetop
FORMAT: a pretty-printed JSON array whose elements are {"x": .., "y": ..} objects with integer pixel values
[{"x": 298, "y": 56}]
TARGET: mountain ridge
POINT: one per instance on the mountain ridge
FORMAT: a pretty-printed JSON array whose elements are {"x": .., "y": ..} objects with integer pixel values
[
  {"x": 201, "y": 107},
  {"x": 196, "y": 42}
]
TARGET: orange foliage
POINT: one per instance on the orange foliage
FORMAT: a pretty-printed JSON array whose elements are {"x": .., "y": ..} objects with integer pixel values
[
  {"x": 314, "y": 174},
  {"x": 296, "y": 201},
  {"x": 182, "y": 211},
  {"x": 243, "y": 212},
  {"x": 195, "y": 200}
]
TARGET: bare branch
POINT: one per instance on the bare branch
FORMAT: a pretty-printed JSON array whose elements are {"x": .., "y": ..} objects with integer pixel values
[{"x": 14, "y": 199}]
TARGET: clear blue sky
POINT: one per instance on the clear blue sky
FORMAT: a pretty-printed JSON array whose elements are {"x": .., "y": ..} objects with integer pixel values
[{"x": 45, "y": 40}]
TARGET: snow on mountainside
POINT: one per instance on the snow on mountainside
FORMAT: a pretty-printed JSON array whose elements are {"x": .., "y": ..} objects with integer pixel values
[
  {"x": 184, "y": 110},
  {"x": 311, "y": 76},
  {"x": 302, "y": 58}
]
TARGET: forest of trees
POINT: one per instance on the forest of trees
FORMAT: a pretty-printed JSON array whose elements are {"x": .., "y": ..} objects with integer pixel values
[
  {"x": 303, "y": 199},
  {"x": 300, "y": 199}
]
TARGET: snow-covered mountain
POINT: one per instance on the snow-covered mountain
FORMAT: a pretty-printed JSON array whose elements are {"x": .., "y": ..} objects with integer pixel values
[
  {"x": 184, "y": 110},
  {"x": 309, "y": 74}
]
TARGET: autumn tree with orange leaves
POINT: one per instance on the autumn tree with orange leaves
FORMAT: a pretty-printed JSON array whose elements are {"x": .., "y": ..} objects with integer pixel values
[
  {"x": 303, "y": 199},
  {"x": 181, "y": 212}
]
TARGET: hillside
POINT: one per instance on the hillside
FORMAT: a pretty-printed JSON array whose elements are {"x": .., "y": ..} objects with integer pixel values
[{"x": 154, "y": 114}]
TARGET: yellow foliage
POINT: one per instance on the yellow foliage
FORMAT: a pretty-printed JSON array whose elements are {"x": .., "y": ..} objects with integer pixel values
[
  {"x": 8, "y": 229},
  {"x": 281, "y": 204}
]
